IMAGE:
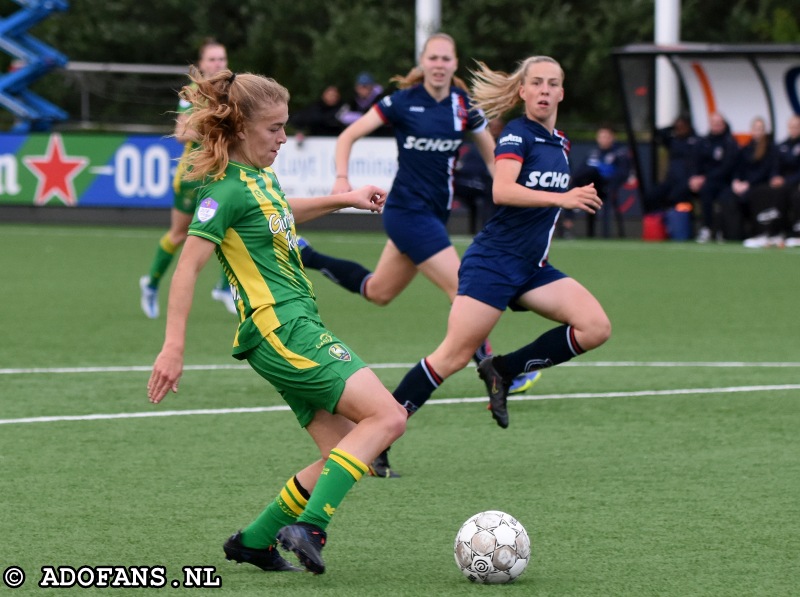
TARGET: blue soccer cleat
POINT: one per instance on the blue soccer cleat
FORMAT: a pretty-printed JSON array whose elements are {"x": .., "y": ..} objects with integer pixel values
[
  {"x": 225, "y": 296},
  {"x": 524, "y": 382},
  {"x": 149, "y": 298}
]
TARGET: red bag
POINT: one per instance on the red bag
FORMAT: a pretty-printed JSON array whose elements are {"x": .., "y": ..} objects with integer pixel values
[{"x": 653, "y": 227}]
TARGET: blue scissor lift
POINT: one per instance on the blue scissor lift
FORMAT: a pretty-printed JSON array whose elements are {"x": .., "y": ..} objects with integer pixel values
[{"x": 32, "y": 112}]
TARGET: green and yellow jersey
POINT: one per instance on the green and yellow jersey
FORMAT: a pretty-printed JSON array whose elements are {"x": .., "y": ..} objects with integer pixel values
[
  {"x": 185, "y": 192},
  {"x": 245, "y": 213}
]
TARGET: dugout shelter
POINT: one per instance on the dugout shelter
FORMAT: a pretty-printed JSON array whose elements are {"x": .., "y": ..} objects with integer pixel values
[{"x": 740, "y": 81}]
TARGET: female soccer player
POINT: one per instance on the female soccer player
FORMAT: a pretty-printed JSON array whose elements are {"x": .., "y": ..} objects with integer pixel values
[
  {"x": 431, "y": 114},
  {"x": 244, "y": 217},
  {"x": 212, "y": 58},
  {"x": 506, "y": 264}
]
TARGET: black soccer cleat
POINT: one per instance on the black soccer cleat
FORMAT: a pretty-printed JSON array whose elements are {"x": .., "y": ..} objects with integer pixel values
[
  {"x": 269, "y": 559},
  {"x": 498, "y": 391},
  {"x": 380, "y": 466},
  {"x": 306, "y": 542}
]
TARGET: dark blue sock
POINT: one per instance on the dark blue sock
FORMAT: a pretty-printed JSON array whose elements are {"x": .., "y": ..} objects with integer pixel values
[
  {"x": 417, "y": 386},
  {"x": 347, "y": 274},
  {"x": 551, "y": 348}
]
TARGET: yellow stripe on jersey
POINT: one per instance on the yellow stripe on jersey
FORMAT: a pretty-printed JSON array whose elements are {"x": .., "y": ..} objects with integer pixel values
[
  {"x": 349, "y": 462},
  {"x": 181, "y": 169},
  {"x": 298, "y": 361},
  {"x": 250, "y": 281},
  {"x": 280, "y": 239}
]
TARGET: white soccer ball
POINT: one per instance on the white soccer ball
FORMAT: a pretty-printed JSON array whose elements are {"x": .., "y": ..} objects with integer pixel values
[{"x": 492, "y": 547}]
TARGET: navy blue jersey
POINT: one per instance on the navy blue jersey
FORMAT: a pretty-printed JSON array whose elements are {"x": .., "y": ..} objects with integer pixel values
[
  {"x": 526, "y": 232},
  {"x": 787, "y": 162},
  {"x": 428, "y": 135}
]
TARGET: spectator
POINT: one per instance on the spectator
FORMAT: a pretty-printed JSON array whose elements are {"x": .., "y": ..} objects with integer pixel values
[
  {"x": 771, "y": 206},
  {"x": 321, "y": 118},
  {"x": 472, "y": 182},
  {"x": 608, "y": 167},
  {"x": 794, "y": 219},
  {"x": 680, "y": 141},
  {"x": 366, "y": 93},
  {"x": 753, "y": 166},
  {"x": 711, "y": 170}
]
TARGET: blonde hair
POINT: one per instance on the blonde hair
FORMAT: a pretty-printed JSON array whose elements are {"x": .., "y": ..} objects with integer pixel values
[
  {"x": 416, "y": 76},
  {"x": 763, "y": 144},
  {"x": 496, "y": 92},
  {"x": 223, "y": 105}
]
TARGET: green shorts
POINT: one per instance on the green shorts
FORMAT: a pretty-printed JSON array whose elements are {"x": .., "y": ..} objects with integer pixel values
[{"x": 307, "y": 364}]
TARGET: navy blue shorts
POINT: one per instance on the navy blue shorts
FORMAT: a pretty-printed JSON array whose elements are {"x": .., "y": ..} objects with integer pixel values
[
  {"x": 419, "y": 235},
  {"x": 499, "y": 282}
]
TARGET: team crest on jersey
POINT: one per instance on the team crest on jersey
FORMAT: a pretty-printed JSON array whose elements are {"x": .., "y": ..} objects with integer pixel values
[
  {"x": 339, "y": 352},
  {"x": 207, "y": 209}
]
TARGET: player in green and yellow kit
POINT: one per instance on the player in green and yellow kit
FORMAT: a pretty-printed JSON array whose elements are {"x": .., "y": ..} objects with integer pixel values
[
  {"x": 211, "y": 59},
  {"x": 243, "y": 216}
]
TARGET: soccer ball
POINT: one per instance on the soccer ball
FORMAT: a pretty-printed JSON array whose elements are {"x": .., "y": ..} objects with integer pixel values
[{"x": 492, "y": 547}]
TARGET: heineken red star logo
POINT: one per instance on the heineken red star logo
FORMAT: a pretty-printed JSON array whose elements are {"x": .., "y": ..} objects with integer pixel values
[{"x": 55, "y": 172}]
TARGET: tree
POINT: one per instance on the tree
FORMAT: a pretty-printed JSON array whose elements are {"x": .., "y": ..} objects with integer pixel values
[{"x": 310, "y": 44}]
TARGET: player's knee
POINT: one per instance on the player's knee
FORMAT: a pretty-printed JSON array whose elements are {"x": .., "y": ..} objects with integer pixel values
[
  {"x": 597, "y": 332},
  {"x": 377, "y": 295}
]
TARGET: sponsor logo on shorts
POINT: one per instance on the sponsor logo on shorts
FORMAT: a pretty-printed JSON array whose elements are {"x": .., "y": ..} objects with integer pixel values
[
  {"x": 207, "y": 209},
  {"x": 339, "y": 352}
]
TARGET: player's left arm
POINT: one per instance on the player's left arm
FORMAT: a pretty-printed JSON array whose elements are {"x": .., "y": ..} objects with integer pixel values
[{"x": 368, "y": 197}]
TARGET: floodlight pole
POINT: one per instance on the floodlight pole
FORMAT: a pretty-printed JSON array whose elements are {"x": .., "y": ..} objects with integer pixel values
[
  {"x": 667, "y": 89},
  {"x": 428, "y": 22}
]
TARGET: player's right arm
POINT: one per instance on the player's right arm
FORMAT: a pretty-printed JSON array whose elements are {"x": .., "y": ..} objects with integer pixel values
[
  {"x": 168, "y": 367},
  {"x": 362, "y": 127}
]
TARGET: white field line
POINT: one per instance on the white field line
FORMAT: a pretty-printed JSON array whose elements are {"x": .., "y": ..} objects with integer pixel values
[
  {"x": 260, "y": 409},
  {"x": 458, "y": 240},
  {"x": 219, "y": 367}
]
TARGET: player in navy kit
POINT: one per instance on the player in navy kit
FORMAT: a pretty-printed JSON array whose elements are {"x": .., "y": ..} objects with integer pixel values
[
  {"x": 507, "y": 263},
  {"x": 430, "y": 114}
]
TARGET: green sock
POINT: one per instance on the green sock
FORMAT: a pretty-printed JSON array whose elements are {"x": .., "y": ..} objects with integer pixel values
[
  {"x": 223, "y": 280},
  {"x": 288, "y": 505},
  {"x": 164, "y": 254},
  {"x": 340, "y": 473}
]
